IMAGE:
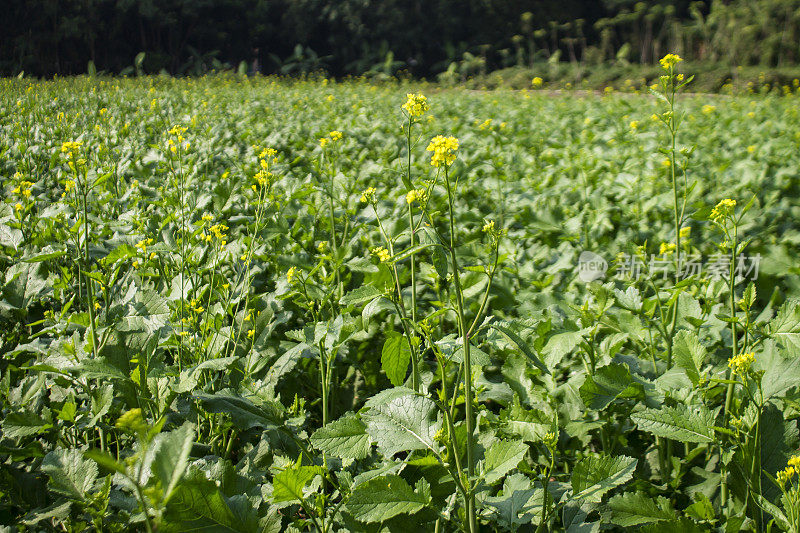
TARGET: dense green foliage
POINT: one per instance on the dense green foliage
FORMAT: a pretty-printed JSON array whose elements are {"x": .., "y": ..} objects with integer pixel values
[
  {"x": 234, "y": 304},
  {"x": 382, "y": 38}
]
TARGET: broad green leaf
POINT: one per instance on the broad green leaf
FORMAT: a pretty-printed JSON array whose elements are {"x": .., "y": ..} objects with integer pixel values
[
  {"x": 529, "y": 424},
  {"x": 506, "y": 329},
  {"x": 689, "y": 354},
  {"x": 395, "y": 357},
  {"x": 607, "y": 384},
  {"x": 244, "y": 413},
  {"x": 105, "y": 460},
  {"x": 678, "y": 423},
  {"x": 199, "y": 505},
  {"x": 402, "y": 424},
  {"x": 781, "y": 368},
  {"x": 365, "y": 293},
  {"x": 346, "y": 438},
  {"x": 382, "y": 498},
  {"x": 560, "y": 345},
  {"x": 24, "y": 424},
  {"x": 518, "y": 504},
  {"x": 10, "y": 237},
  {"x": 502, "y": 457},
  {"x": 171, "y": 457},
  {"x": 70, "y": 474},
  {"x": 288, "y": 485},
  {"x": 595, "y": 475},
  {"x": 634, "y": 508}
]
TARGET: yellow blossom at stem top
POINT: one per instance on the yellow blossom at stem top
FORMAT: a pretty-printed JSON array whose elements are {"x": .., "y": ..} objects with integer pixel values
[
  {"x": 670, "y": 60},
  {"x": 416, "y": 104},
  {"x": 537, "y": 82},
  {"x": 488, "y": 227},
  {"x": 667, "y": 248},
  {"x": 415, "y": 195},
  {"x": 291, "y": 274},
  {"x": 368, "y": 195},
  {"x": 336, "y": 135},
  {"x": 741, "y": 363},
  {"x": 685, "y": 232},
  {"x": 444, "y": 150},
  {"x": 722, "y": 210},
  {"x": 382, "y": 253}
]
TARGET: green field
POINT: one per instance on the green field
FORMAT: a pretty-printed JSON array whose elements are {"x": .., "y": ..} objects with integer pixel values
[{"x": 234, "y": 304}]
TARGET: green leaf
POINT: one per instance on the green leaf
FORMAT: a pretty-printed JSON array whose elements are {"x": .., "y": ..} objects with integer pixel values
[
  {"x": 382, "y": 498},
  {"x": 595, "y": 475},
  {"x": 287, "y": 486},
  {"x": 171, "y": 457},
  {"x": 678, "y": 423},
  {"x": 360, "y": 295},
  {"x": 199, "y": 505},
  {"x": 243, "y": 412},
  {"x": 404, "y": 423},
  {"x": 506, "y": 329},
  {"x": 785, "y": 327},
  {"x": 105, "y": 460},
  {"x": 530, "y": 425},
  {"x": 395, "y": 356},
  {"x": 10, "y": 237},
  {"x": 560, "y": 345},
  {"x": 502, "y": 457},
  {"x": 781, "y": 373},
  {"x": 635, "y": 508},
  {"x": 518, "y": 504},
  {"x": 70, "y": 474},
  {"x": 609, "y": 383},
  {"x": 346, "y": 438},
  {"x": 689, "y": 354},
  {"x": 24, "y": 424}
]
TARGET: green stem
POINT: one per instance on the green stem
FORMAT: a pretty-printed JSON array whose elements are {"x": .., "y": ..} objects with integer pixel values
[{"x": 470, "y": 517}]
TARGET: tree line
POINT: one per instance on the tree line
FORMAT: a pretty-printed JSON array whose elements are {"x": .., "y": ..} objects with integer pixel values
[{"x": 385, "y": 37}]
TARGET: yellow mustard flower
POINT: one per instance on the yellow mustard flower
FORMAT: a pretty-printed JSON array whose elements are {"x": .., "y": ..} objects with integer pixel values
[
  {"x": 444, "y": 150},
  {"x": 669, "y": 61},
  {"x": 416, "y": 104}
]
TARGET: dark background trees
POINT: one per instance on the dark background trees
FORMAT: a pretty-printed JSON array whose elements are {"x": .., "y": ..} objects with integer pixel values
[{"x": 340, "y": 37}]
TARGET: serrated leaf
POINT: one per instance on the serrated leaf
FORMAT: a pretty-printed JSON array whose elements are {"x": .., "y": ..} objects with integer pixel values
[
  {"x": 288, "y": 485},
  {"x": 382, "y": 498},
  {"x": 607, "y": 384},
  {"x": 678, "y": 423},
  {"x": 360, "y": 295},
  {"x": 346, "y": 438},
  {"x": 171, "y": 457},
  {"x": 17, "y": 425},
  {"x": 634, "y": 508},
  {"x": 595, "y": 475},
  {"x": 502, "y": 457},
  {"x": 404, "y": 423},
  {"x": 689, "y": 354},
  {"x": 395, "y": 356},
  {"x": 506, "y": 329},
  {"x": 70, "y": 474}
]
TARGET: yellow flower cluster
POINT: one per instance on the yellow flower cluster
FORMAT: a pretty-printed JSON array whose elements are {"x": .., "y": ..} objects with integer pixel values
[
  {"x": 444, "y": 150},
  {"x": 332, "y": 136},
  {"x": 143, "y": 244},
  {"x": 177, "y": 132},
  {"x": 670, "y": 60},
  {"x": 722, "y": 210},
  {"x": 382, "y": 253},
  {"x": 537, "y": 82},
  {"x": 488, "y": 226},
  {"x": 71, "y": 147},
  {"x": 741, "y": 363},
  {"x": 708, "y": 109},
  {"x": 291, "y": 274},
  {"x": 416, "y": 104},
  {"x": 634, "y": 124},
  {"x": 685, "y": 232},
  {"x": 416, "y": 195},
  {"x": 24, "y": 189},
  {"x": 368, "y": 195},
  {"x": 666, "y": 248},
  {"x": 217, "y": 231},
  {"x": 792, "y": 469}
]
